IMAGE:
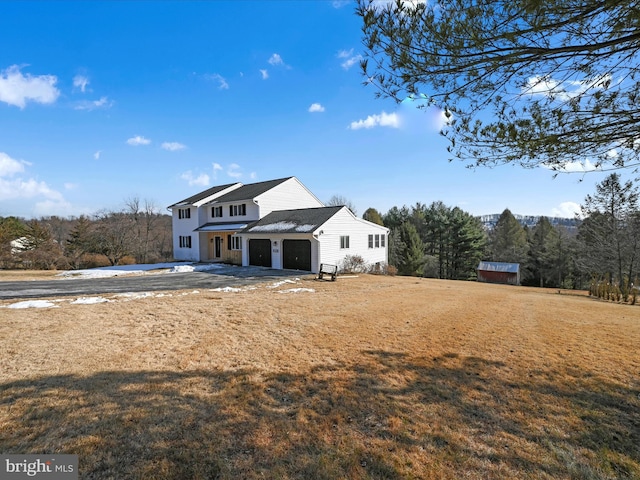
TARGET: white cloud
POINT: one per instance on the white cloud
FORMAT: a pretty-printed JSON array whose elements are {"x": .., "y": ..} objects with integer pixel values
[
  {"x": 23, "y": 188},
  {"x": 16, "y": 89},
  {"x": 275, "y": 60},
  {"x": 27, "y": 188},
  {"x": 46, "y": 208},
  {"x": 264, "y": 73},
  {"x": 97, "y": 154},
  {"x": 9, "y": 166},
  {"x": 201, "y": 180},
  {"x": 316, "y": 107},
  {"x": 216, "y": 168},
  {"x": 574, "y": 167},
  {"x": 547, "y": 86},
  {"x": 382, "y": 120},
  {"x": 103, "y": 102},
  {"x": 138, "y": 140},
  {"x": 349, "y": 58},
  {"x": 253, "y": 176},
  {"x": 19, "y": 189},
  {"x": 81, "y": 82},
  {"x": 544, "y": 86},
  {"x": 70, "y": 186},
  {"x": 222, "y": 82},
  {"x": 566, "y": 210},
  {"x": 173, "y": 146},
  {"x": 380, "y": 4},
  {"x": 340, "y": 3},
  {"x": 233, "y": 171}
]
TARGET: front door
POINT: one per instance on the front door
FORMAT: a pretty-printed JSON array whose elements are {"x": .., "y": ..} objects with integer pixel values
[{"x": 217, "y": 247}]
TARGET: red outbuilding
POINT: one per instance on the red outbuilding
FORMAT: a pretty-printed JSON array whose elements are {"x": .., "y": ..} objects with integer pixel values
[{"x": 499, "y": 272}]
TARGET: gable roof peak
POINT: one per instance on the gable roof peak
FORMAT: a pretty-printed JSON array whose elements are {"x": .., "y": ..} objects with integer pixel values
[{"x": 205, "y": 194}]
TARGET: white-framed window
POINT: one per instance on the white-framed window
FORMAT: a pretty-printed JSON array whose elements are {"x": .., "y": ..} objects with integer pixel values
[
  {"x": 377, "y": 238},
  {"x": 184, "y": 213},
  {"x": 185, "y": 241},
  {"x": 382, "y": 240},
  {"x": 344, "y": 241},
  {"x": 216, "y": 212},
  {"x": 234, "y": 242},
  {"x": 370, "y": 241}
]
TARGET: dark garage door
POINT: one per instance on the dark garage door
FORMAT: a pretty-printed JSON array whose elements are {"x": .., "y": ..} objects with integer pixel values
[
  {"x": 260, "y": 253},
  {"x": 296, "y": 254}
]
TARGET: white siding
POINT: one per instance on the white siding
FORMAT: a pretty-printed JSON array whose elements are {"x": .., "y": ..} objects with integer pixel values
[
  {"x": 276, "y": 248},
  {"x": 325, "y": 242},
  {"x": 185, "y": 227},
  {"x": 288, "y": 195},
  {"x": 344, "y": 223},
  {"x": 253, "y": 212}
]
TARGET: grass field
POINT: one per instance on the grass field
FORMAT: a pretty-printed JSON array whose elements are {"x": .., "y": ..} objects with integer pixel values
[{"x": 364, "y": 378}]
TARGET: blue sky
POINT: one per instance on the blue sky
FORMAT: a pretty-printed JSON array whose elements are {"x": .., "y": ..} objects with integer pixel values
[{"x": 105, "y": 101}]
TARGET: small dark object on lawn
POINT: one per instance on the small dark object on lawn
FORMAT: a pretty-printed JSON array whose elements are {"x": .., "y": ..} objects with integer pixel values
[{"x": 328, "y": 269}]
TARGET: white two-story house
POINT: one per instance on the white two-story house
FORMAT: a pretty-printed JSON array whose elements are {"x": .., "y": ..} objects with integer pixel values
[{"x": 277, "y": 224}]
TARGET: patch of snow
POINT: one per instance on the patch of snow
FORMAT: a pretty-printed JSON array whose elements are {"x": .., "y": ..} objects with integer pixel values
[
  {"x": 89, "y": 300},
  {"x": 173, "y": 267},
  {"x": 117, "y": 270},
  {"x": 135, "y": 295},
  {"x": 194, "y": 268},
  {"x": 274, "y": 227},
  {"x": 282, "y": 227},
  {"x": 227, "y": 289},
  {"x": 297, "y": 290},
  {"x": 282, "y": 282},
  {"x": 33, "y": 304},
  {"x": 182, "y": 269}
]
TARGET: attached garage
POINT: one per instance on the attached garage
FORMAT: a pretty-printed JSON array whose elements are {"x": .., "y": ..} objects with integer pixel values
[
  {"x": 260, "y": 252},
  {"x": 296, "y": 255},
  {"x": 303, "y": 239}
]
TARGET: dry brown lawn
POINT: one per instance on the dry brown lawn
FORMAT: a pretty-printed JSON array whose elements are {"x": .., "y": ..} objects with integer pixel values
[{"x": 365, "y": 378}]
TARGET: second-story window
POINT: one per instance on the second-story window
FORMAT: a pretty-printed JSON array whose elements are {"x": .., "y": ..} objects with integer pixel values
[
  {"x": 237, "y": 210},
  {"x": 184, "y": 213},
  {"x": 216, "y": 212}
]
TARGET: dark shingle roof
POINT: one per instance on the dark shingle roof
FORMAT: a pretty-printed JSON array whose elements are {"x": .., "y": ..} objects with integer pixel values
[
  {"x": 199, "y": 196},
  {"x": 304, "y": 220},
  {"x": 250, "y": 191}
]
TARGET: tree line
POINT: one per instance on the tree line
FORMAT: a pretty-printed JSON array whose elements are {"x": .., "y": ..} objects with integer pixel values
[
  {"x": 438, "y": 241},
  {"x": 435, "y": 241},
  {"x": 137, "y": 233}
]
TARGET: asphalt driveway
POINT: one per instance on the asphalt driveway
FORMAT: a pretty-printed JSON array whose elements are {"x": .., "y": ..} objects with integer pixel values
[{"x": 225, "y": 276}]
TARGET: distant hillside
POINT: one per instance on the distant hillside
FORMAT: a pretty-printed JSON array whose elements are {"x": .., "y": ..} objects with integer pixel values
[{"x": 530, "y": 221}]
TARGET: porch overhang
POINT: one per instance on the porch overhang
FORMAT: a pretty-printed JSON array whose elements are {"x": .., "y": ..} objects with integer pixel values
[{"x": 217, "y": 227}]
